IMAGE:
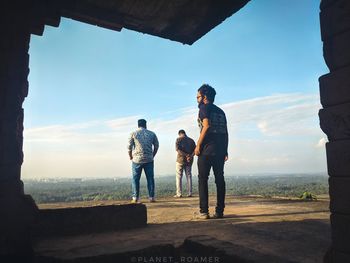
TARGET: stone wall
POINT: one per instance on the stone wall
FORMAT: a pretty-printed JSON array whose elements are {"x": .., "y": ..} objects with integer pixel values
[
  {"x": 17, "y": 209},
  {"x": 335, "y": 120},
  {"x": 87, "y": 220}
]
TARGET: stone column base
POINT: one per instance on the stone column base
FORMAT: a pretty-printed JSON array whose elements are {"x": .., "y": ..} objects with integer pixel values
[{"x": 17, "y": 215}]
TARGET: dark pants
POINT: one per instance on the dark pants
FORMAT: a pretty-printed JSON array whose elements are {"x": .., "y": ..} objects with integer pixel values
[{"x": 205, "y": 163}]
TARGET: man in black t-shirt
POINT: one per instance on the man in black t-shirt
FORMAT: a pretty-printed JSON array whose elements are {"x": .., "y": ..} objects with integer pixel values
[
  {"x": 185, "y": 151},
  {"x": 211, "y": 150}
]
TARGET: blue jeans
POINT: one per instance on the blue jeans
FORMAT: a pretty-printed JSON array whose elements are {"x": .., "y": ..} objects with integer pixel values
[{"x": 136, "y": 175}]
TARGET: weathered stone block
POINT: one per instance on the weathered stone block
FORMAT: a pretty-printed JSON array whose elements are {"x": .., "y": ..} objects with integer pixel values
[
  {"x": 84, "y": 220},
  {"x": 15, "y": 37},
  {"x": 335, "y": 87},
  {"x": 341, "y": 232},
  {"x": 160, "y": 252},
  {"x": 338, "y": 158},
  {"x": 335, "y": 19},
  {"x": 11, "y": 139},
  {"x": 339, "y": 195},
  {"x": 339, "y": 257},
  {"x": 17, "y": 214},
  {"x": 335, "y": 122},
  {"x": 327, "y": 3},
  {"x": 10, "y": 182},
  {"x": 223, "y": 251},
  {"x": 336, "y": 51}
]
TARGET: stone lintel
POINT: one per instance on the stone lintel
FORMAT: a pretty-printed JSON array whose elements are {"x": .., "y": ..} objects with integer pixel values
[{"x": 35, "y": 14}]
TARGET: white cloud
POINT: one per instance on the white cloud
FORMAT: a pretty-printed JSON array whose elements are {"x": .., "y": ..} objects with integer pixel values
[
  {"x": 121, "y": 124},
  {"x": 321, "y": 143},
  {"x": 267, "y": 134},
  {"x": 182, "y": 83},
  {"x": 280, "y": 114}
]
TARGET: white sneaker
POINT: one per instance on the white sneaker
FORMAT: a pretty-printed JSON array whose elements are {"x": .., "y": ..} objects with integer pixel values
[
  {"x": 152, "y": 200},
  {"x": 204, "y": 216},
  {"x": 134, "y": 200}
]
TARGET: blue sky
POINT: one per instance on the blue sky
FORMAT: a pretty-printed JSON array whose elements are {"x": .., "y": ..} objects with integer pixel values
[{"x": 88, "y": 86}]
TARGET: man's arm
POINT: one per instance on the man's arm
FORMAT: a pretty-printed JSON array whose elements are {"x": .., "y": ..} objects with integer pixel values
[
  {"x": 189, "y": 157},
  {"x": 131, "y": 144},
  {"x": 226, "y": 141},
  {"x": 155, "y": 145},
  {"x": 193, "y": 148},
  {"x": 202, "y": 135},
  {"x": 180, "y": 152},
  {"x": 226, "y": 145}
]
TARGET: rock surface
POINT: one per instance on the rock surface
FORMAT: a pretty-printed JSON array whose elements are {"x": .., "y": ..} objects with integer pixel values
[{"x": 291, "y": 230}]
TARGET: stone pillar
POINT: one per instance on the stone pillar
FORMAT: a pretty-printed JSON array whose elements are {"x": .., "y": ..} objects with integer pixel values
[
  {"x": 335, "y": 120},
  {"x": 17, "y": 210}
]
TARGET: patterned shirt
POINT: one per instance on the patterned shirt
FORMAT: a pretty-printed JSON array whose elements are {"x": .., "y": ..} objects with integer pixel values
[{"x": 140, "y": 143}]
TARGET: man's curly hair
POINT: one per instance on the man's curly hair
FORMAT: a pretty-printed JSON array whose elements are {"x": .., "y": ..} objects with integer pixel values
[{"x": 208, "y": 91}]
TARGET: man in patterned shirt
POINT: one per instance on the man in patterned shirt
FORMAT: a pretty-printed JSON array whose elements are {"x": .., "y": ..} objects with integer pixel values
[{"x": 141, "y": 154}]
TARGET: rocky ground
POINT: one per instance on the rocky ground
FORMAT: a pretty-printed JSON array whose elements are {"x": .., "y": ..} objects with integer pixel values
[{"x": 287, "y": 228}]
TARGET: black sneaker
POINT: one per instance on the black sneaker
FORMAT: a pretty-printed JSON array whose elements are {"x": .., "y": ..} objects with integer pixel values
[{"x": 218, "y": 215}]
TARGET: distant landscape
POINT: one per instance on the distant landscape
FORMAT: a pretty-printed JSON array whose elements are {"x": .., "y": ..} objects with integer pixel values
[{"x": 76, "y": 189}]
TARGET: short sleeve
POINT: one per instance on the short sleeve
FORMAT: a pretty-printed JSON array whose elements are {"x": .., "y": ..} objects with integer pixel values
[
  {"x": 177, "y": 144},
  {"x": 203, "y": 112},
  {"x": 155, "y": 141},
  {"x": 131, "y": 142}
]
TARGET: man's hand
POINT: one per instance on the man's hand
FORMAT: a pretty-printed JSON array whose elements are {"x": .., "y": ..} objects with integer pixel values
[
  {"x": 197, "y": 150},
  {"x": 130, "y": 155},
  {"x": 188, "y": 157},
  {"x": 226, "y": 158},
  {"x": 202, "y": 136}
]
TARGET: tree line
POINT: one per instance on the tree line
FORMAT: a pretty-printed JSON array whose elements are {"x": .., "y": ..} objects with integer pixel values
[{"x": 72, "y": 190}]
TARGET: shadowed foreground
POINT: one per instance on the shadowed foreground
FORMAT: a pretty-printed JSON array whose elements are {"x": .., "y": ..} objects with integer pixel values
[{"x": 289, "y": 230}]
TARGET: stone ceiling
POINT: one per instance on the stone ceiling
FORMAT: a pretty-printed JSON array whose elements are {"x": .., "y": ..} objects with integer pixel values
[{"x": 184, "y": 21}]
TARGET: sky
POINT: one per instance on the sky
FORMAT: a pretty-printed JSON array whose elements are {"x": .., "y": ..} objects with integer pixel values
[{"x": 89, "y": 85}]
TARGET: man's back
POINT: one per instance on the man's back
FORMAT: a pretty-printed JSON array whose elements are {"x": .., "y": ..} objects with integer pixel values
[
  {"x": 140, "y": 142},
  {"x": 184, "y": 144},
  {"x": 216, "y": 140}
]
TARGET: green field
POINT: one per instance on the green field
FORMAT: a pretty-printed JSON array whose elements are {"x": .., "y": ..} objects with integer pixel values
[{"x": 71, "y": 190}]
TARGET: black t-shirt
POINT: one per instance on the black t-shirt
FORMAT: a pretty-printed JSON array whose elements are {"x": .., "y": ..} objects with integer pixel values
[
  {"x": 186, "y": 145},
  {"x": 216, "y": 140}
]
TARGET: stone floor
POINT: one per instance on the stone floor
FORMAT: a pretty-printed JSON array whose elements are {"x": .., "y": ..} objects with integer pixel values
[{"x": 291, "y": 229}]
